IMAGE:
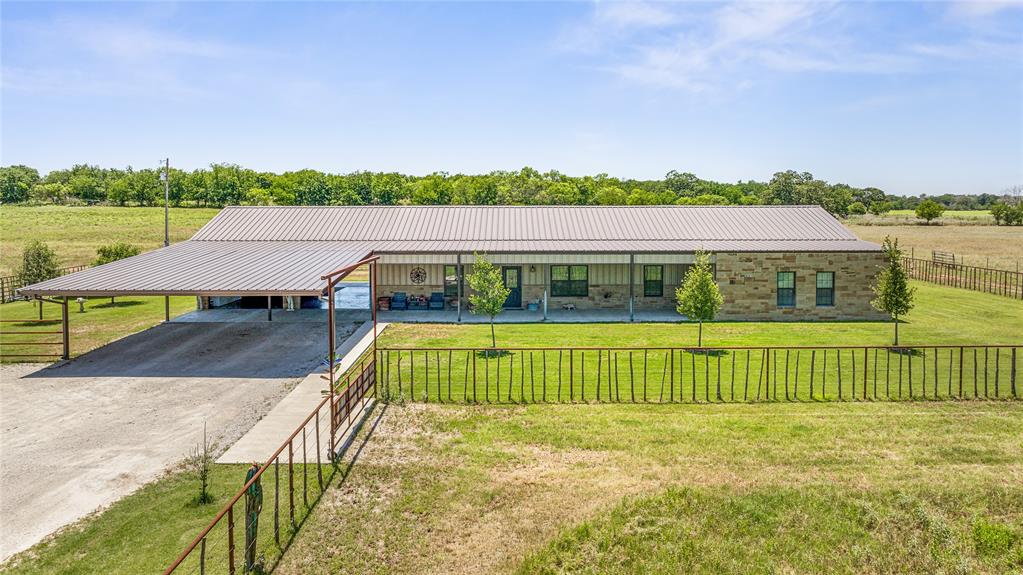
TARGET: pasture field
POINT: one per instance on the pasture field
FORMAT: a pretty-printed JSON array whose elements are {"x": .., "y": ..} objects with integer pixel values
[
  {"x": 75, "y": 233},
  {"x": 959, "y": 217},
  {"x": 980, "y": 245}
]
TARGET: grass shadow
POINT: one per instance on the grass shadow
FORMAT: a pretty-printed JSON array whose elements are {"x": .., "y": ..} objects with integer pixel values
[
  {"x": 341, "y": 473},
  {"x": 117, "y": 304}
]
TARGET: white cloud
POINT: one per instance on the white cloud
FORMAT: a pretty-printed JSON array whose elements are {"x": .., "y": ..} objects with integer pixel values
[
  {"x": 982, "y": 8},
  {"x": 729, "y": 45}
]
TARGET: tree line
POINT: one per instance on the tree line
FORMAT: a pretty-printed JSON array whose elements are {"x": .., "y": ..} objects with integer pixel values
[{"x": 229, "y": 184}]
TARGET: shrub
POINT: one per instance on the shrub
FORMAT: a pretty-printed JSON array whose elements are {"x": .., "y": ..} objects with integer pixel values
[
  {"x": 113, "y": 252},
  {"x": 1007, "y": 214},
  {"x": 857, "y": 209},
  {"x": 38, "y": 263},
  {"x": 880, "y": 208}
]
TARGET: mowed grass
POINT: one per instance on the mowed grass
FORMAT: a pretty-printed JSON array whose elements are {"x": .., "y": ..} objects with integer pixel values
[
  {"x": 942, "y": 316},
  {"x": 839, "y": 488},
  {"x": 146, "y": 531},
  {"x": 100, "y": 323},
  {"x": 975, "y": 245},
  {"x": 75, "y": 233}
]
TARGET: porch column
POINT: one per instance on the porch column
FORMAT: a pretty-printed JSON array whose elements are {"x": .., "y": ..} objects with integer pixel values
[
  {"x": 269, "y": 309},
  {"x": 458, "y": 284},
  {"x": 632, "y": 287}
]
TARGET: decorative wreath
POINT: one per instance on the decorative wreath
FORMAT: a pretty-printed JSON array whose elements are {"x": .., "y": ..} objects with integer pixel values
[{"x": 417, "y": 275}]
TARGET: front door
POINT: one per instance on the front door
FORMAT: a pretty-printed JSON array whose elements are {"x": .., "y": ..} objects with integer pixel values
[{"x": 513, "y": 281}]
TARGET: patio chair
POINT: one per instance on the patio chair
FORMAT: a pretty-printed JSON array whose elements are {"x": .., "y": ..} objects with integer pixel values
[
  {"x": 399, "y": 301},
  {"x": 437, "y": 300}
]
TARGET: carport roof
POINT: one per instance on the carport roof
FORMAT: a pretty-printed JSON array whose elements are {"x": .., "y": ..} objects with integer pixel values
[{"x": 211, "y": 268}]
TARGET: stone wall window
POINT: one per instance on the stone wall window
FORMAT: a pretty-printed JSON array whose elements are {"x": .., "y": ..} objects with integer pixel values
[
  {"x": 570, "y": 281},
  {"x": 786, "y": 289},
  {"x": 825, "y": 289},
  {"x": 653, "y": 281}
]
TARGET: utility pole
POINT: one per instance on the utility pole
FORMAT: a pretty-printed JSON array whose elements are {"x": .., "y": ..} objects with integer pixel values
[{"x": 166, "y": 226}]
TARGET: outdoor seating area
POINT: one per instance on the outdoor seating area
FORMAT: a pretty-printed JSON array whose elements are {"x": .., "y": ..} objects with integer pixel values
[{"x": 401, "y": 301}]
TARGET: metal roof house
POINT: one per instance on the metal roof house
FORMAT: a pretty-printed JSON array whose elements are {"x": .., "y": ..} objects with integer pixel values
[{"x": 771, "y": 262}]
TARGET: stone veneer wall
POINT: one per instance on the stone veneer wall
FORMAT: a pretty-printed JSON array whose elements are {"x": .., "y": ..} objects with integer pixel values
[{"x": 748, "y": 283}]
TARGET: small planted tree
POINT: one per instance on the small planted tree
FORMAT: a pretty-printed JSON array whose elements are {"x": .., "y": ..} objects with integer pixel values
[
  {"x": 199, "y": 463},
  {"x": 113, "y": 252},
  {"x": 894, "y": 294},
  {"x": 698, "y": 297},
  {"x": 489, "y": 293},
  {"x": 929, "y": 209}
]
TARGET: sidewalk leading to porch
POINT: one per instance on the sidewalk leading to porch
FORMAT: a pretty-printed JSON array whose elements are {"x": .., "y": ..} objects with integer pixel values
[
  {"x": 525, "y": 316},
  {"x": 269, "y": 432}
]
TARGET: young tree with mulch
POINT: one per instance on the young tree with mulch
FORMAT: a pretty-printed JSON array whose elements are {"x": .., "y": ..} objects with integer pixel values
[
  {"x": 489, "y": 293},
  {"x": 894, "y": 294},
  {"x": 699, "y": 297}
]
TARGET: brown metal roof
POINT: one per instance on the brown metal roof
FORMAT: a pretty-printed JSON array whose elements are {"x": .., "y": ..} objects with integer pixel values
[
  {"x": 211, "y": 268},
  {"x": 526, "y": 224},
  {"x": 266, "y": 250}
]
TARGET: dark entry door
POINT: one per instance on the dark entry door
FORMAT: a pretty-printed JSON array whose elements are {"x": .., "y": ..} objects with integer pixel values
[{"x": 513, "y": 281}]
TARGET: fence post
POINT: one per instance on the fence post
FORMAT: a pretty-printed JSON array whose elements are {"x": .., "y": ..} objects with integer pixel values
[{"x": 66, "y": 336}]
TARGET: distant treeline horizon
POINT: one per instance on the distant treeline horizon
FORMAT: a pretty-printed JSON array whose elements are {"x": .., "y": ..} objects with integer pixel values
[{"x": 229, "y": 184}]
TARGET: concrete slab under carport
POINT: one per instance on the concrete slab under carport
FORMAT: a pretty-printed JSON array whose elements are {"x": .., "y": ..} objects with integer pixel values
[{"x": 81, "y": 434}]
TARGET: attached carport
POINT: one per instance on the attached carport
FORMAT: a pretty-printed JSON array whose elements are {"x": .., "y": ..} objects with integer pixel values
[{"x": 217, "y": 268}]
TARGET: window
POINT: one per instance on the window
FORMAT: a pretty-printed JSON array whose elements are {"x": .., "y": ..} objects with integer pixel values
[
  {"x": 786, "y": 289},
  {"x": 825, "y": 288},
  {"x": 569, "y": 281},
  {"x": 450, "y": 281},
  {"x": 653, "y": 281}
]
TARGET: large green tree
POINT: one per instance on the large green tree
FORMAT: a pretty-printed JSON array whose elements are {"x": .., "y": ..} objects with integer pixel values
[
  {"x": 894, "y": 296},
  {"x": 929, "y": 210},
  {"x": 16, "y": 183},
  {"x": 488, "y": 291},
  {"x": 698, "y": 298}
]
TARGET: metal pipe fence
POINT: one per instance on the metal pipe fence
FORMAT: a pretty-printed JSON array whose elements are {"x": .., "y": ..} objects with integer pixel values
[
  {"x": 9, "y": 285},
  {"x": 698, "y": 375},
  {"x": 245, "y": 537},
  {"x": 989, "y": 280}
]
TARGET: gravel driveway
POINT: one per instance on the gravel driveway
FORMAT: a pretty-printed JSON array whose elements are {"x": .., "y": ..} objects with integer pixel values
[{"x": 78, "y": 436}]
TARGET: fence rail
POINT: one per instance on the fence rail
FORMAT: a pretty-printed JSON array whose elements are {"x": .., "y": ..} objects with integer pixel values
[
  {"x": 9, "y": 285},
  {"x": 298, "y": 472},
  {"x": 698, "y": 375},
  {"x": 995, "y": 281}
]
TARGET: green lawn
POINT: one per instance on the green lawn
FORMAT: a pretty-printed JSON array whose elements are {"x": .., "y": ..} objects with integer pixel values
[
  {"x": 101, "y": 323},
  {"x": 144, "y": 532},
  {"x": 943, "y": 316}
]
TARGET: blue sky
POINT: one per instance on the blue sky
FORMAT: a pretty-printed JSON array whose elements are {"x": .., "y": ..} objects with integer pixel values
[{"x": 912, "y": 97}]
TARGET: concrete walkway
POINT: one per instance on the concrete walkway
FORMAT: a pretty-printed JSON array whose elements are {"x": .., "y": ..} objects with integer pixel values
[{"x": 270, "y": 432}]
